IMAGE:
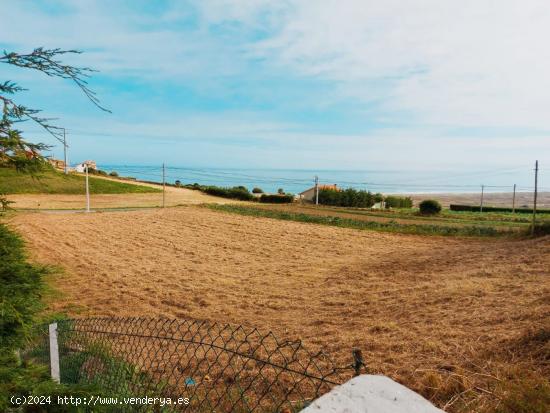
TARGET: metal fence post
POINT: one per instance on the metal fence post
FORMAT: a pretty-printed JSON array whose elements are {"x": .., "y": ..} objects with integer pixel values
[{"x": 54, "y": 352}]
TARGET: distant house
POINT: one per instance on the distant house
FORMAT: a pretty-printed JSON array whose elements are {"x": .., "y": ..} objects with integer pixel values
[
  {"x": 309, "y": 194},
  {"x": 81, "y": 167},
  {"x": 57, "y": 163},
  {"x": 379, "y": 205}
]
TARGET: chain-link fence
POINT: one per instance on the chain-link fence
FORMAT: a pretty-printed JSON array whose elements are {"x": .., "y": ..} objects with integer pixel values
[{"x": 217, "y": 367}]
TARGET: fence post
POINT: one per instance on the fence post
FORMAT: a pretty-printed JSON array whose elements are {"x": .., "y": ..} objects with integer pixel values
[
  {"x": 357, "y": 361},
  {"x": 54, "y": 352}
]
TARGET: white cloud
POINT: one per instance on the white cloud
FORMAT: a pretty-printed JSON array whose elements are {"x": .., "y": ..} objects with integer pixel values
[
  {"x": 432, "y": 63},
  {"x": 477, "y": 63},
  {"x": 456, "y": 63}
]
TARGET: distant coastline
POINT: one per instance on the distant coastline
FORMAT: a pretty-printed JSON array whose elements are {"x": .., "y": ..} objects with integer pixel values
[{"x": 295, "y": 181}]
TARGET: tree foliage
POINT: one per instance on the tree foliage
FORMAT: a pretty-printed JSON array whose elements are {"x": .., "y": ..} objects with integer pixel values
[
  {"x": 398, "y": 202},
  {"x": 349, "y": 197},
  {"x": 15, "y": 150}
]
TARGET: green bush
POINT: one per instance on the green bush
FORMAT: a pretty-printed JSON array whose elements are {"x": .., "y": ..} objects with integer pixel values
[
  {"x": 430, "y": 207},
  {"x": 398, "y": 202},
  {"x": 257, "y": 190},
  {"x": 281, "y": 191},
  {"x": 20, "y": 289},
  {"x": 276, "y": 199},
  {"x": 113, "y": 173},
  {"x": 477, "y": 208},
  {"x": 93, "y": 171},
  {"x": 195, "y": 186},
  {"x": 237, "y": 192},
  {"x": 541, "y": 229},
  {"x": 349, "y": 197}
]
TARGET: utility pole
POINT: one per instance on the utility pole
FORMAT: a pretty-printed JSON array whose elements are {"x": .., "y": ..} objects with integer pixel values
[
  {"x": 514, "y": 200},
  {"x": 163, "y": 185},
  {"x": 535, "y": 198},
  {"x": 87, "y": 190},
  {"x": 316, "y": 190},
  {"x": 65, "y": 151},
  {"x": 481, "y": 203}
]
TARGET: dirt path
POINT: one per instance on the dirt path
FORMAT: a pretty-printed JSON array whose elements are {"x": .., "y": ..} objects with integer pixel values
[{"x": 414, "y": 304}]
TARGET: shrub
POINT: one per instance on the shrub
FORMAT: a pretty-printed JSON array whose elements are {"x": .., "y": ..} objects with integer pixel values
[
  {"x": 93, "y": 171},
  {"x": 257, "y": 190},
  {"x": 430, "y": 207},
  {"x": 113, "y": 173},
  {"x": 347, "y": 198},
  {"x": 21, "y": 285},
  {"x": 237, "y": 192},
  {"x": 280, "y": 191},
  {"x": 541, "y": 229},
  {"x": 177, "y": 183},
  {"x": 476, "y": 208},
  {"x": 276, "y": 199},
  {"x": 398, "y": 202}
]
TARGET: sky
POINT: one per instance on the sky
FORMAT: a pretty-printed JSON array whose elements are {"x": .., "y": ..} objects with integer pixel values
[{"x": 343, "y": 84}]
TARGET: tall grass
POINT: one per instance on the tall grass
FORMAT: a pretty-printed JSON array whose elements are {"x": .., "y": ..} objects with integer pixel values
[{"x": 422, "y": 229}]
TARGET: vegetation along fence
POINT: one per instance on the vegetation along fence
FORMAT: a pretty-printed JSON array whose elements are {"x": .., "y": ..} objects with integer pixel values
[{"x": 216, "y": 367}]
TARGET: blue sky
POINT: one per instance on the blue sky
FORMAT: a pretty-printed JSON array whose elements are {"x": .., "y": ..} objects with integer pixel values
[{"x": 295, "y": 84}]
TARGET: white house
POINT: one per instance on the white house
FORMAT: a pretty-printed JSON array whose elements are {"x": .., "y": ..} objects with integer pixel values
[{"x": 81, "y": 167}]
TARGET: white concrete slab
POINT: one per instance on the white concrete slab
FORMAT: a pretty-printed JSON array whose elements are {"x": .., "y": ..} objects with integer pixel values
[{"x": 371, "y": 394}]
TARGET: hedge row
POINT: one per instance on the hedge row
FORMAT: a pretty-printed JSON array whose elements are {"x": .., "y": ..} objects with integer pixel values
[
  {"x": 276, "y": 199},
  {"x": 236, "y": 192},
  {"x": 349, "y": 198},
  {"x": 476, "y": 208}
]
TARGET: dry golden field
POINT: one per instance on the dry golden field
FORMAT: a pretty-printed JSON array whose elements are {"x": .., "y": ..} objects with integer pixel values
[
  {"x": 173, "y": 196},
  {"x": 456, "y": 319}
]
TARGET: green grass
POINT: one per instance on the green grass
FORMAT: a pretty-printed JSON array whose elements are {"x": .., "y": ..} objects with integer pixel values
[
  {"x": 51, "y": 181},
  {"x": 421, "y": 229},
  {"x": 508, "y": 220}
]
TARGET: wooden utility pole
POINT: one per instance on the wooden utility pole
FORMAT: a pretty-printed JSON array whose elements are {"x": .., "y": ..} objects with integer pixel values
[
  {"x": 316, "y": 190},
  {"x": 481, "y": 202},
  {"x": 65, "y": 152},
  {"x": 163, "y": 185},
  {"x": 514, "y": 200},
  {"x": 87, "y": 190},
  {"x": 535, "y": 198}
]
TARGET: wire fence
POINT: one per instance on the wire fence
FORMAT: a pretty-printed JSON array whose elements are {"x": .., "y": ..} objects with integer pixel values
[{"x": 217, "y": 367}]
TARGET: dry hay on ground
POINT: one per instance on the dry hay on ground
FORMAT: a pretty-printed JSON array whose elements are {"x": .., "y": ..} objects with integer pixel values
[
  {"x": 442, "y": 315},
  {"x": 173, "y": 196}
]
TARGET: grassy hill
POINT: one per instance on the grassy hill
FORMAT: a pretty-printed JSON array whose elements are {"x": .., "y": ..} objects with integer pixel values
[{"x": 54, "y": 182}]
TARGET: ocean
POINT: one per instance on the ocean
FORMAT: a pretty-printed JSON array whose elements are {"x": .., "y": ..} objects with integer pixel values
[{"x": 298, "y": 180}]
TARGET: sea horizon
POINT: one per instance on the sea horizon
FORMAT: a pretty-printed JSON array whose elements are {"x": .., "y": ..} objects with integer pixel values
[{"x": 298, "y": 180}]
